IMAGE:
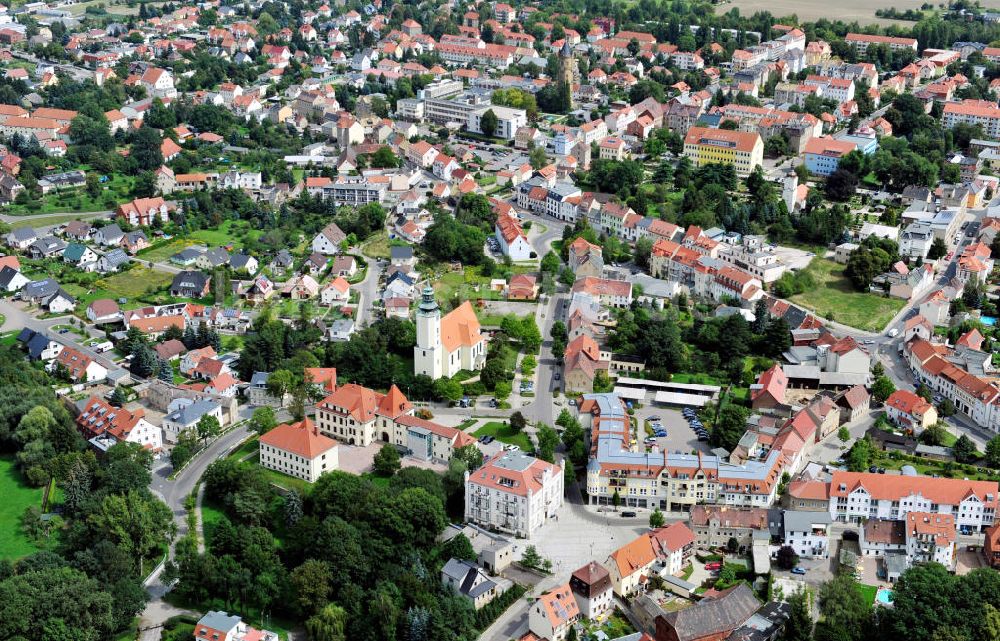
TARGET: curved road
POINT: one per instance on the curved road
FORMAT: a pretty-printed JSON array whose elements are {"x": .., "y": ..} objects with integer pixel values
[{"x": 173, "y": 492}]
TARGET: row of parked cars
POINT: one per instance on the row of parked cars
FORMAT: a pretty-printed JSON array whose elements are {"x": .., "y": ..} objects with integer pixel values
[
  {"x": 658, "y": 430},
  {"x": 695, "y": 422}
]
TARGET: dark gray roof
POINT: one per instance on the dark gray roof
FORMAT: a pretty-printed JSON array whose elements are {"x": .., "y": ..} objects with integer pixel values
[
  {"x": 401, "y": 252},
  {"x": 111, "y": 231},
  {"x": 730, "y": 610},
  {"x": 239, "y": 261},
  {"x": 40, "y": 289},
  {"x": 23, "y": 234},
  {"x": 37, "y": 345},
  {"x": 466, "y": 574},
  {"x": 116, "y": 256},
  {"x": 189, "y": 414},
  {"x": 7, "y": 274}
]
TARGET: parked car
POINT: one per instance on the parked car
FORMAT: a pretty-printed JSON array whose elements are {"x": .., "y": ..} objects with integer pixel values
[
  {"x": 713, "y": 565},
  {"x": 628, "y": 514},
  {"x": 798, "y": 570},
  {"x": 557, "y": 376}
]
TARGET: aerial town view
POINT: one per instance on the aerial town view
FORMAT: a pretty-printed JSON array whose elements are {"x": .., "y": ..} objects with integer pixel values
[{"x": 468, "y": 320}]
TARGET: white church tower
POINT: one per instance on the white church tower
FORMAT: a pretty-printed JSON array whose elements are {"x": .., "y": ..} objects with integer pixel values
[{"x": 427, "y": 355}]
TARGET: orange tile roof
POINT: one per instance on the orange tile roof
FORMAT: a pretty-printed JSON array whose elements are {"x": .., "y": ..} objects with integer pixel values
[
  {"x": 302, "y": 438},
  {"x": 560, "y": 606},
  {"x": 891, "y": 488},
  {"x": 460, "y": 328}
]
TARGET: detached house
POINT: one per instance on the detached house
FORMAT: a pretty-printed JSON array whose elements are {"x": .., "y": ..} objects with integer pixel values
[
  {"x": 328, "y": 241},
  {"x": 190, "y": 284},
  {"x": 909, "y": 411},
  {"x": 143, "y": 211}
]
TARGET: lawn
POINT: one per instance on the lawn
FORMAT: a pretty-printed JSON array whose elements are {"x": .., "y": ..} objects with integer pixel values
[
  {"x": 161, "y": 252},
  {"x": 376, "y": 246},
  {"x": 868, "y": 592},
  {"x": 505, "y": 433},
  {"x": 17, "y": 498},
  {"x": 130, "y": 285},
  {"x": 229, "y": 232},
  {"x": 49, "y": 220},
  {"x": 211, "y": 516},
  {"x": 250, "y": 447},
  {"x": 694, "y": 379},
  {"x": 78, "y": 200},
  {"x": 835, "y": 298}
]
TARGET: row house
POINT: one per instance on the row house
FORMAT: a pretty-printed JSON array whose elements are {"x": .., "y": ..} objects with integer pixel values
[
  {"x": 857, "y": 496},
  {"x": 670, "y": 481},
  {"x": 946, "y": 372}
]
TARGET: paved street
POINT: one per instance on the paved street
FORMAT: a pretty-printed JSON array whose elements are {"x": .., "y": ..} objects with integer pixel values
[{"x": 368, "y": 290}]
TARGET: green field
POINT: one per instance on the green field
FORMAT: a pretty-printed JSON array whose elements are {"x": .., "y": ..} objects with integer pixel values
[
  {"x": 506, "y": 434},
  {"x": 17, "y": 498},
  {"x": 835, "y": 298},
  {"x": 129, "y": 284}
]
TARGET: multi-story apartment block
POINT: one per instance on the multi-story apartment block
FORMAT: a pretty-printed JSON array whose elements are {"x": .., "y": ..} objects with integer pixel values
[
  {"x": 823, "y": 155},
  {"x": 984, "y": 113},
  {"x": 858, "y": 496},
  {"x": 743, "y": 150},
  {"x": 930, "y": 537},
  {"x": 670, "y": 481},
  {"x": 861, "y": 42},
  {"x": 513, "y": 493}
]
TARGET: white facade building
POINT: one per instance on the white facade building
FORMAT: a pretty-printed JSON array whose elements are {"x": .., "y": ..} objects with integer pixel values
[{"x": 513, "y": 493}]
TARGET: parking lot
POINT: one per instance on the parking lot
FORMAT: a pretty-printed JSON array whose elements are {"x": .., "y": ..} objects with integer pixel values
[{"x": 680, "y": 437}]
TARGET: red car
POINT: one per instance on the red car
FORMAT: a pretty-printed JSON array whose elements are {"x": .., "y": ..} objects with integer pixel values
[{"x": 714, "y": 565}]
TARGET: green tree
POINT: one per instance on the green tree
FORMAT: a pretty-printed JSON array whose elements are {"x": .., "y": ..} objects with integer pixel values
[
  {"x": 387, "y": 460},
  {"x": 938, "y": 249},
  {"x": 208, "y": 427},
  {"x": 993, "y": 452},
  {"x": 488, "y": 123},
  {"x": 844, "y": 434},
  {"x": 859, "y": 456},
  {"x": 448, "y": 389},
  {"x": 964, "y": 450},
  {"x": 537, "y": 158},
  {"x": 656, "y": 519},
  {"x": 280, "y": 383},
  {"x": 729, "y": 428},
  {"x": 311, "y": 586},
  {"x": 518, "y": 422},
  {"x": 800, "y": 622},
  {"x": 136, "y": 522},
  {"x": 502, "y": 390},
  {"x": 328, "y": 624},
  {"x": 845, "y": 613},
  {"x": 146, "y": 149},
  {"x": 882, "y": 388},
  {"x": 263, "y": 421},
  {"x": 548, "y": 439},
  {"x": 787, "y": 558}
]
